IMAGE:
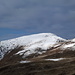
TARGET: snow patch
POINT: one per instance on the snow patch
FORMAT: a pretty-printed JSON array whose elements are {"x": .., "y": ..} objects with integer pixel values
[
  {"x": 58, "y": 59},
  {"x": 25, "y": 61},
  {"x": 69, "y": 45},
  {"x": 73, "y": 40}
]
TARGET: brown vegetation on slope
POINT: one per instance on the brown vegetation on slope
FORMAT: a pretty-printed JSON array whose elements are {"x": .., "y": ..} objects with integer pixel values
[{"x": 10, "y": 65}]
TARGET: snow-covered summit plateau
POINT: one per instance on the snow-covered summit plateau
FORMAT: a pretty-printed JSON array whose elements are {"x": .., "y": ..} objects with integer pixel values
[{"x": 30, "y": 43}]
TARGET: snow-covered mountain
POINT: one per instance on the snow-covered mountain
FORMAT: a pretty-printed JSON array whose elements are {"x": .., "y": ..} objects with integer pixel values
[
  {"x": 31, "y": 44},
  {"x": 37, "y": 54}
]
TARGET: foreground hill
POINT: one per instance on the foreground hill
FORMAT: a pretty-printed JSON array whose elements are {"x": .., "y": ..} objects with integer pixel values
[{"x": 38, "y": 54}]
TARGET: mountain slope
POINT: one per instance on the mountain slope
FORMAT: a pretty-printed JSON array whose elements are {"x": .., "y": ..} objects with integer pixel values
[{"x": 38, "y": 54}]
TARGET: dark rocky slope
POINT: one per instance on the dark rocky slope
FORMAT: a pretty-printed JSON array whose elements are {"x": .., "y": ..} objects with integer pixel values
[{"x": 39, "y": 66}]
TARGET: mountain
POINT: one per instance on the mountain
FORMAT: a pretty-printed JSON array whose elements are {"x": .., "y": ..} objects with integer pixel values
[
  {"x": 30, "y": 44},
  {"x": 38, "y": 54}
]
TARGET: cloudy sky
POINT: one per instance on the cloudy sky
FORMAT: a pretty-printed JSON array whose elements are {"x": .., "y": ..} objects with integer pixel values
[{"x": 25, "y": 17}]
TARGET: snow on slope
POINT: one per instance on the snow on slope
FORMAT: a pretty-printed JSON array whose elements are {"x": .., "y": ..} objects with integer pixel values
[
  {"x": 58, "y": 59},
  {"x": 69, "y": 45},
  {"x": 73, "y": 40},
  {"x": 25, "y": 61},
  {"x": 30, "y": 43}
]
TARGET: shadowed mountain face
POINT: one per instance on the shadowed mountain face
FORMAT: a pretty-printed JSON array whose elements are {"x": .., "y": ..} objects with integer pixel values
[{"x": 46, "y": 56}]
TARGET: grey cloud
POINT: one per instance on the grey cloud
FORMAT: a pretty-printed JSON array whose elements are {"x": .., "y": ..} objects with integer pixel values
[
  {"x": 57, "y": 26},
  {"x": 37, "y": 15},
  {"x": 71, "y": 17}
]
